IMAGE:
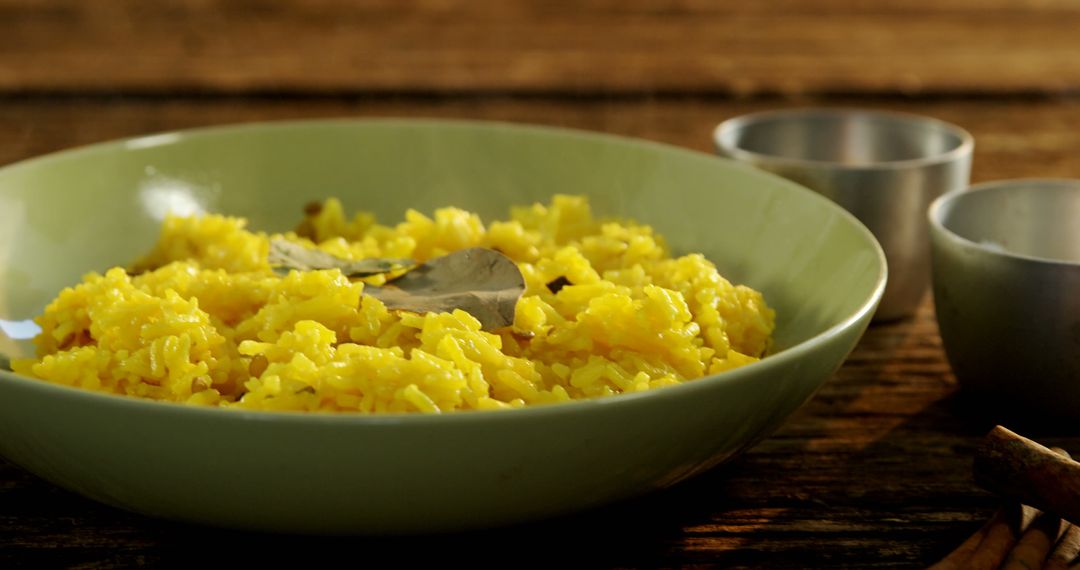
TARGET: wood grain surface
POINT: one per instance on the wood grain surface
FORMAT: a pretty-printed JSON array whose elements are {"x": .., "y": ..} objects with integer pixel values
[
  {"x": 875, "y": 472},
  {"x": 1015, "y": 137},
  {"x": 493, "y": 46}
]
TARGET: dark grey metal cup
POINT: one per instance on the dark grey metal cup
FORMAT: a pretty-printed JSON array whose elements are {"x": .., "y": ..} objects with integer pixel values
[
  {"x": 885, "y": 168},
  {"x": 1006, "y": 273}
]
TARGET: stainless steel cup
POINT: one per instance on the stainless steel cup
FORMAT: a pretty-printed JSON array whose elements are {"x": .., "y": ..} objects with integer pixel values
[
  {"x": 885, "y": 168},
  {"x": 1006, "y": 273}
]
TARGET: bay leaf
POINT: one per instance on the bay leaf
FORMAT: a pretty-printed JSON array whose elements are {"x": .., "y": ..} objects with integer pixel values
[
  {"x": 286, "y": 255},
  {"x": 482, "y": 282}
]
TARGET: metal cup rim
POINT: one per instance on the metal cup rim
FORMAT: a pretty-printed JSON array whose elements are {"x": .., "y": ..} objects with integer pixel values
[
  {"x": 936, "y": 212},
  {"x": 965, "y": 148}
]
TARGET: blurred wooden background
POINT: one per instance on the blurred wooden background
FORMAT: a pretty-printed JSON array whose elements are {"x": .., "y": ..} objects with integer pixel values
[
  {"x": 789, "y": 47},
  {"x": 874, "y": 472}
]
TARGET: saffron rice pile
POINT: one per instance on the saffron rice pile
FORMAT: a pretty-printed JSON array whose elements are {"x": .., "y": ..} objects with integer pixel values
[{"x": 206, "y": 321}]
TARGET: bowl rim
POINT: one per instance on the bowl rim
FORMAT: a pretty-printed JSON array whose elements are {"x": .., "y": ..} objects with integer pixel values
[
  {"x": 685, "y": 389},
  {"x": 943, "y": 205},
  {"x": 965, "y": 148}
]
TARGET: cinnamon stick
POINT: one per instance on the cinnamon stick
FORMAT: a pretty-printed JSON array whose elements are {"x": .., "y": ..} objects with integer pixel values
[
  {"x": 958, "y": 558},
  {"x": 1068, "y": 545},
  {"x": 1066, "y": 550},
  {"x": 988, "y": 547},
  {"x": 1017, "y": 468},
  {"x": 1035, "y": 544}
]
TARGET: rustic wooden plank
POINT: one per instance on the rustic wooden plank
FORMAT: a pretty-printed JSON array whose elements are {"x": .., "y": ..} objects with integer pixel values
[
  {"x": 1017, "y": 138},
  {"x": 873, "y": 472},
  {"x": 598, "y": 46}
]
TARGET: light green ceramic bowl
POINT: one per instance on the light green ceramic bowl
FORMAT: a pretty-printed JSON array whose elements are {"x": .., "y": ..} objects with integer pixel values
[{"x": 88, "y": 209}]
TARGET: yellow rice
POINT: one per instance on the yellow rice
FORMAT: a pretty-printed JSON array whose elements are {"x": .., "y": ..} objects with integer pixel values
[{"x": 209, "y": 323}]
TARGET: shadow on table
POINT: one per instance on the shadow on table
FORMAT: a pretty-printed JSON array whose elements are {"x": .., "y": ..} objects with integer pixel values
[
  {"x": 779, "y": 506},
  {"x": 908, "y": 495},
  {"x": 58, "y": 529}
]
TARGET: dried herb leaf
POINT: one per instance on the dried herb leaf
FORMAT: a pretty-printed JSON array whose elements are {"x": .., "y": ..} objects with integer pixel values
[
  {"x": 286, "y": 255},
  {"x": 482, "y": 282},
  {"x": 556, "y": 285}
]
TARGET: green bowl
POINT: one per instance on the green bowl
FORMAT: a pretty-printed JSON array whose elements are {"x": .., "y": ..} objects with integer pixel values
[{"x": 90, "y": 208}]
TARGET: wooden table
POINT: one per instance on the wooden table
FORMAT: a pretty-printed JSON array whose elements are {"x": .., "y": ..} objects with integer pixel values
[{"x": 873, "y": 472}]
